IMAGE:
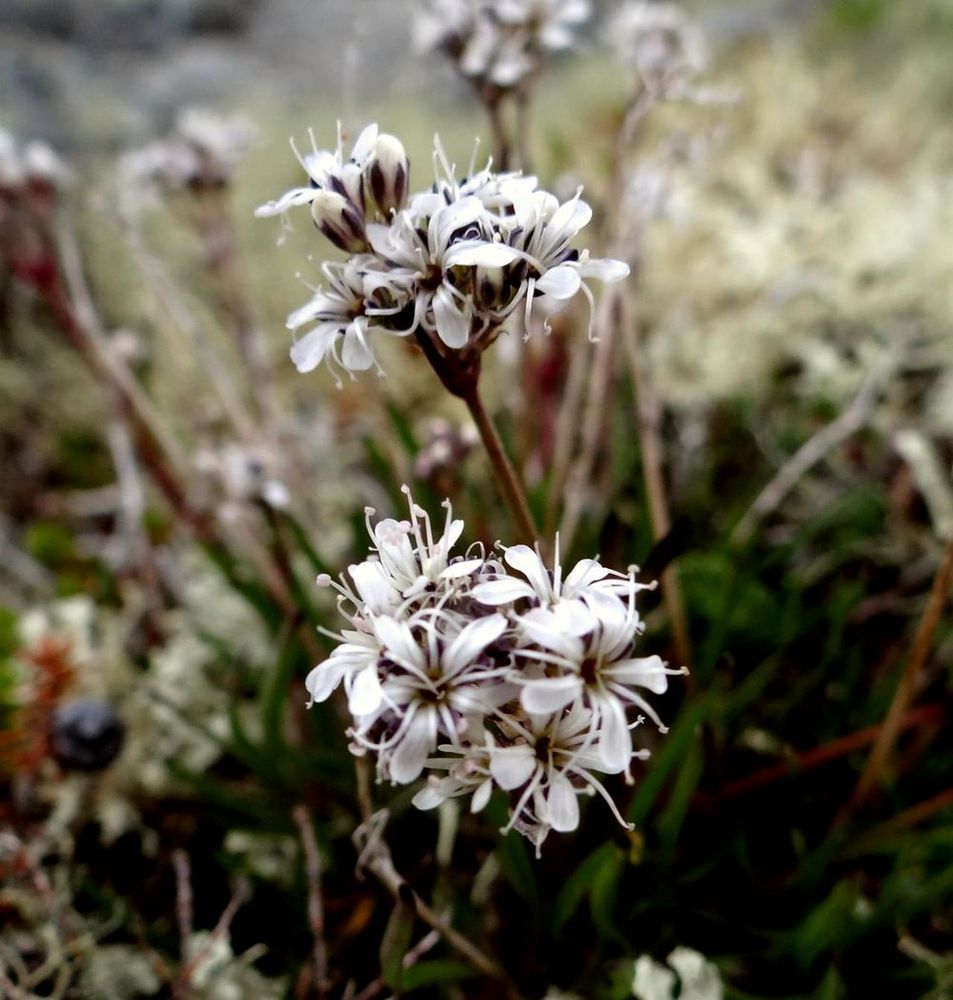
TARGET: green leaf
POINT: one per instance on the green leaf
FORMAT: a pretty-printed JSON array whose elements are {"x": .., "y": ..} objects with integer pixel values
[
  {"x": 673, "y": 816},
  {"x": 435, "y": 972},
  {"x": 274, "y": 693},
  {"x": 578, "y": 885},
  {"x": 674, "y": 748},
  {"x": 395, "y": 943},
  {"x": 605, "y": 892}
]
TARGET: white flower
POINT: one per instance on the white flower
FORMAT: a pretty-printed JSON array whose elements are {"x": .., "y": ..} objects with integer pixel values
[
  {"x": 699, "y": 978},
  {"x": 418, "y": 564},
  {"x": 435, "y": 679},
  {"x": 342, "y": 326},
  {"x": 550, "y": 764},
  {"x": 482, "y": 680},
  {"x": 354, "y": 661},
  {"x": 597, "y": 667},
  {"x": 499, "y": 43},
  {"x": 468, "y": 773},
  {"x": 660, "y": 41},
  {"x": 451, "y": 267},
  {"x": 546, "y": 589},
  {"x": 329, "y": 171}
]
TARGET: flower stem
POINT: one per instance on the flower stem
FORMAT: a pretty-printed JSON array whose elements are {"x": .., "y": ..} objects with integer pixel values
[{"x": 506, "y": 478}]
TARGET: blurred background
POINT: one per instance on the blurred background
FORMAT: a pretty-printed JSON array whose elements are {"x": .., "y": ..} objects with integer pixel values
[{"x": 171, "y": 813}]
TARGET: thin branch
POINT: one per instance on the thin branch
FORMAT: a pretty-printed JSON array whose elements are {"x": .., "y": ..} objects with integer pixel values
[
  {"x": 648, "y": 419},
  {"x": 593, "y": 420},
  {"x": 799, "y": 763},
  {"x": 852, "y": 420},
  {"x": 375, "y": 857},
  {"x": 313, "y": 870},
  {"x": 906, "y": 689},
  {"x": 377, "y": 986},
  {"x": 183, "y": 901},
  {"x": 181, "y": 988}
]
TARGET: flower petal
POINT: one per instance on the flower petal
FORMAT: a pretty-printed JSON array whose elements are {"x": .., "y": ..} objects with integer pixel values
[
  {"x": 323, "y": 679},
  {"x": 480, "y": 253},
  {"x": 453, "y": 325},
  {"x": 365, "y": 694},
  {"x": 471, "y": 641},
  {"x": 502, "y": 591},
  {"x": 356, "y": 355},
  {"x": 308, "y": 352},
  {"x": 560, "y": 282},
  {"x": 411, "y": 752},
  {"x": 512, "y": 766},
  {"x": 523, "y": 559},
  {"x": 549, "y": 694},
  {"x": 562, "y": 804}
]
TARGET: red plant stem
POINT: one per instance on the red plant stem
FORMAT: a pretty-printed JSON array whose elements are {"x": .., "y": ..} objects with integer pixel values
[
  {"x": 924, "y": 716},
  {"x": 906, "y": 689},
  {"x": 148, "y": 446}
]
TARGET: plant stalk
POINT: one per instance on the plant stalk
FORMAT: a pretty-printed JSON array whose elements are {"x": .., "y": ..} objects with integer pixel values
[{"x": 507, "y": 480}]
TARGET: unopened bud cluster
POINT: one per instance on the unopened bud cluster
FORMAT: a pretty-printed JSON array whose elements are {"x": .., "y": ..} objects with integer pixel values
[
  {"x": 486, "y": 672},
  {"x": 450, "y": 264}
]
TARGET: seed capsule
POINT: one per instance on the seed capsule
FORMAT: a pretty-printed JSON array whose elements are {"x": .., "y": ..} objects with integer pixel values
[{"x": 87, "y": 734}]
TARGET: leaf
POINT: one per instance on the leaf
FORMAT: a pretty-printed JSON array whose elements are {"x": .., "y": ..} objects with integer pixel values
[
  {"x": 435, "y": 973},
  {"x": 605, "y": 892},
  {"x": 395, "y": 943},
  {"x": 578, "y": 885},
  {"x": 673, "y": 816},
  {"x": 674, "y": 748},
  {"x": 274, "y": 694}
]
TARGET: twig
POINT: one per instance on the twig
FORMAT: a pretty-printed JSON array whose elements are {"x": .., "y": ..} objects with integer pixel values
[
  {"x": 648, "y": 419},
  {"x": 912, "y": 816},
  {"x": 906, "y": 689},
  {"x": 377, "y": 986},
  {"x": 156, "y": 453},
  {"x": 375, "y": 857},
  {"x": 593, "y": 420},
  {"x": 315, "y": 897},
  {"x": 799, "y": 763},
  {"x": 822, "y": 443},
  {"x": 183, "y": 901},
  {"x": 181, "y": 987}
]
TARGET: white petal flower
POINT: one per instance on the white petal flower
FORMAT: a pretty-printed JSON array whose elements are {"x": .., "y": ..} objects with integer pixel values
[{"x": 458, "y": 669}]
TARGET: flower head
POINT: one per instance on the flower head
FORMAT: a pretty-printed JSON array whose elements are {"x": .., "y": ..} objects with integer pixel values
[
  {"x": 451, "y": 264},
  {"x": 499, "y": 44},
  {"x": 481, "y": 679}
]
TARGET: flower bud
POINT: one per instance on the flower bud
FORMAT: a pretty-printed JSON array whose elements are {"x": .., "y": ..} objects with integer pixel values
[
  {"x": 339, "y": 219},
  {"x": 388, "y": 174}
]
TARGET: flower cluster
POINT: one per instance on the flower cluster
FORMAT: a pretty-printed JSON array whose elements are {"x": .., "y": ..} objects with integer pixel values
[
  {"x": 488, "y": 671},
  {"x": 664, "y": 46},
  {"x": 31, "y": 166},
  {"x": 199, "y": 154},
  {"x": 450, "y": 264},
  {"x": 499, "y": 44}
]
